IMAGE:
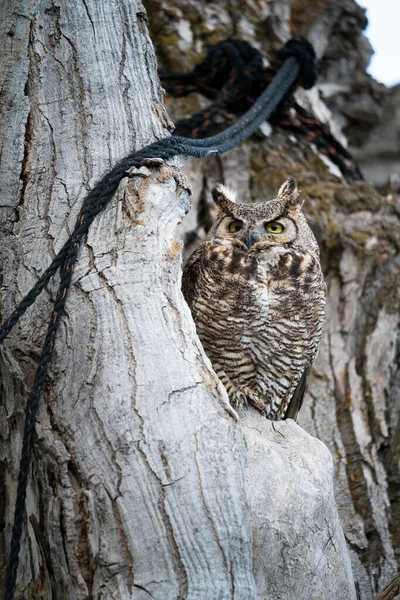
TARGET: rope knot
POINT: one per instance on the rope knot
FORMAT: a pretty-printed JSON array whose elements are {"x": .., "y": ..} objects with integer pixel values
[{"x": 304, "y": 52}]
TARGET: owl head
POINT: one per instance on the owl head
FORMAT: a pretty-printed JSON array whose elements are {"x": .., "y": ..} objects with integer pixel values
[{"x": 254, "y": 228}]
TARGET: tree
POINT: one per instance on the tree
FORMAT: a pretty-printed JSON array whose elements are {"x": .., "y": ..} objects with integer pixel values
[
  {"x": 353, "y": 400},
  {"x": 139, "y": 486}
]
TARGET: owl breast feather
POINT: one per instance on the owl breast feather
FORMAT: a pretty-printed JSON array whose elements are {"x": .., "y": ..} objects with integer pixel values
[{"x": 260, "y": 319}]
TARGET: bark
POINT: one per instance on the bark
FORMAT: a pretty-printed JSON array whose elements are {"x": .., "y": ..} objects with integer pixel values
[
  {"x": 140, "y": 486},
  {"x": 353, "y": 401},
  {"x": 123, "y": 500},
  {"x": 298, "y": 544}
]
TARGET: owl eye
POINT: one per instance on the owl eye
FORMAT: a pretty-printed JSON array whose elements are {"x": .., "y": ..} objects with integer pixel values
[
  {"x": 235, "y": 226},
  {"x": 274, "y": 227}
]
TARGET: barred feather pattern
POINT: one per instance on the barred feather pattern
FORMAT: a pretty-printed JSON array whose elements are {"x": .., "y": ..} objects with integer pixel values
[{"x": 259, "y": 312}]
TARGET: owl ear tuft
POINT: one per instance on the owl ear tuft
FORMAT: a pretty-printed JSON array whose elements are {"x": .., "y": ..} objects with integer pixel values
[
  {"x": 224, "y": 198},
  {"x": 288, "y": 192}
]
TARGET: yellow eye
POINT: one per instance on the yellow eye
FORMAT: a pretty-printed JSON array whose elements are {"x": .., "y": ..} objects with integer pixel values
[
  {"x": 274, "y": 227},
  {"x": 235, "y": 226}
]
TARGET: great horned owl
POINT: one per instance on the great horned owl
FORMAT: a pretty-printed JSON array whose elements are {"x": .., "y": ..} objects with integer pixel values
[{"x": 257, "y": 295}]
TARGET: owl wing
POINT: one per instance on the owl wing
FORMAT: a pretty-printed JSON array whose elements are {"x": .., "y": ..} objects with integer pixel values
[
  {"x": 191, "y": 276},
  {"x": 297, "y": 399}
]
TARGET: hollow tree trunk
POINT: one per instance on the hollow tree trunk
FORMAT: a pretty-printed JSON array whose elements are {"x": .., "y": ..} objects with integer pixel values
[{"x": 139, "y": 486}]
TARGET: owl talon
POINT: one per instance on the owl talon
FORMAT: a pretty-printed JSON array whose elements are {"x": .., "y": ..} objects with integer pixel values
[
  {"x": 231, "y": 411},
  {"x": 239, "y": 400},
  {"x": 256, "y": 402}
]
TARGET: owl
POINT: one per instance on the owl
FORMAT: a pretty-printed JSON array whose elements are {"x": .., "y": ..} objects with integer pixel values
[{"x": 257, "y": 295}]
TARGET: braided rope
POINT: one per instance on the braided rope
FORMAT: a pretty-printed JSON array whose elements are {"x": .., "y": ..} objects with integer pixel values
[
  {"x": 66, "y": 258},
  {"x": 233, "y": 75}
]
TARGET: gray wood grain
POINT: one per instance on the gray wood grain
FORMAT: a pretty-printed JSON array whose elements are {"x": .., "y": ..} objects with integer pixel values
[
  {"x": 298, "y": 544},
  {"x": 353, "y": 402},
  {"x": 138, "y": 487},
  {"x": 132, "y": 434}
]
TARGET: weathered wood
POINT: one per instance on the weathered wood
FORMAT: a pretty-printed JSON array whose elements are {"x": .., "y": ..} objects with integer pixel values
[
  {"x": 138, "y": 486},
  {"x": 136, "y": 457},
  {"x": 298, "y": 543},
  {"x": 353, "y": 402}
]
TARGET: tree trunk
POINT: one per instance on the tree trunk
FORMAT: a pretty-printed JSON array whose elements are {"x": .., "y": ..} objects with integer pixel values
[
  {"x": 140, "y": 485},
  {"x": 123, "y": 500},
  {"x": 353, "y": 403}
]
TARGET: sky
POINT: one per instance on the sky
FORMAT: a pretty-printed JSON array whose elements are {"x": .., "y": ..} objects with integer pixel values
[{"x": 383, "y": 33}]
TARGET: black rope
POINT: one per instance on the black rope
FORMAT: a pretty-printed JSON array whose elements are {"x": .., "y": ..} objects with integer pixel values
[
  {"x": 233, "y": 75},
  {"x": 94, "y": 203}
]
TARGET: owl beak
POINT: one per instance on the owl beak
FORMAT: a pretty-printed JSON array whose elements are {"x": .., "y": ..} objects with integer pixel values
[{"x": 250, "y": 239}]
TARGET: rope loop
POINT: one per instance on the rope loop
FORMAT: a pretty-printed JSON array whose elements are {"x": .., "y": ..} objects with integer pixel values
[
  {"x": 234, "y": 77},
  {"x": 304, "y": 53}
]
